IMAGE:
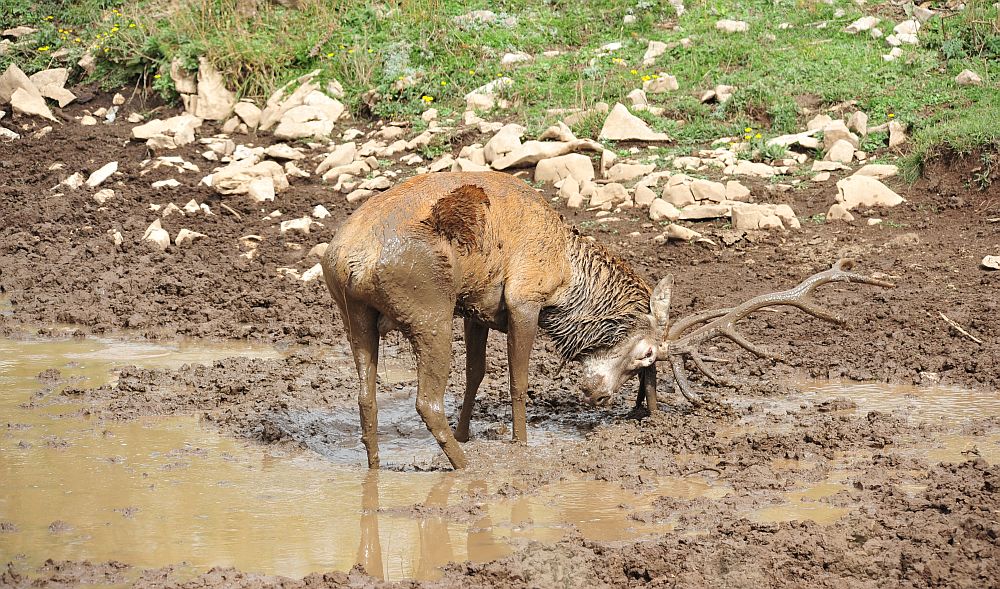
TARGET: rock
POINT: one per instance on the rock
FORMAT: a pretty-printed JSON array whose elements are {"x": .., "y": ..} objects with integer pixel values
[
  {"x": 320, "y": 212},
  {"x": 445, "y": 162},
  {"x": 858, "y": 121},
  {"x": 827, "y": 166},
  {"x": 283, "y": 151},
  {"x": 318, "y": 250},
  {"x": 104, "y": 195},
  {"x": 185, "y": 82},
  {"x": 865, "y": 191},
  {"x": 907, "y": 27},
  {"x": 708, "y": 190},
  {"x": 237, "y": 178},
  {"x": 644, "y": 196},
  {"x": 839, "y": 212},
  {"x": 873, "y": 221},
  {"x": 261, "y": 189},
  {"x": 701, "y": 211},
  {"x": 575, "y": 165},
  {"x": 626, "y": 172},
  {"x": 897, "y": 134},
  {"x": 841, "y": 151},
  {"x": 192, "y": 207},
  {"x": 531, "y": 152},
  {"x": 837, "y": 130},
  {"x": 376, "y": 183},
  {"x": 431, "y": 114},
  {"x": 300, "y": 225},
  {"x": 638, "y": 97},
  {"x": 169, "y": 183},
  {"x": 660, "y": 85},
  {"x": 186, "y": 236},
  {"x": 679, "y": 233},
  {"x": 991, "y": 262},
  {"x": 806, "y": 139},
  {"x": 485, "y": 97},
  {"x": 173, "y": 132},
  {"x": 74, "y": 181},
  {"x": 758, "y": 169},
  {"x": 732, "y": 26},
  {"x": 968, "y": 78},
  {"x": 249, "y": 113},
  {"x": 894, "y": 54},
  {"x": 506, "y": 140},
  {"x": 51, "y": 84},
  {"x": 569, "y": 188},
  {"x": 342, "y": 155},
  {"x": 821, "y": 177},
  {"x": 12, "y": 79},
  {"x": 156, "y": 235},
  {"x": 118, "y": 99},
  {"x": 864, "y": 23},
  {"x": 312, "y": 273},
  {"x": 755, "y": 217},
  {"x": 102, "y": 174},
  {"x": 621, "y": 125},
  {"x": 736, "y": 191},
  {"x": 18, "y": 31},
  {"x": 466, "y": 165},
  {"x": 26, "y": 103},
  {"x": 212, "y": 101},
  {"x": 511, "y": 59},
  {"x": 678, "y": 191},
  {"x": 359, "y": 195},
  {"x": 560, "y": 132},
  {"x": 661, "y": 210},
  {"x": 654, "y": 50},
  {"x": 612, "y": 193},
  {"x": 878, "y": 171}
]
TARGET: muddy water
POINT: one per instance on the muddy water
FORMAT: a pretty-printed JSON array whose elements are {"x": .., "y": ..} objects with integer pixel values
[{"x": 161, "y": 491}]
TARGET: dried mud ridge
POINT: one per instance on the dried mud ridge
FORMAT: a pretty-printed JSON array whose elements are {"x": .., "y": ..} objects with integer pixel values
[{"x": 60, "y": 266}]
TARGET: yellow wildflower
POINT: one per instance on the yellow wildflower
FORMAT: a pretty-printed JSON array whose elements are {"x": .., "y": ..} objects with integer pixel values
[
  {"x": 427, "y": 99},
  {"x": 891, "y": 115},
  {"x": 757, "y": 136},
  {"x": 748, "y": 130},
  {"x": 44, "y": 48},
  {"x": 646, "y": 78},
  {"x": 634, "y": 72}
]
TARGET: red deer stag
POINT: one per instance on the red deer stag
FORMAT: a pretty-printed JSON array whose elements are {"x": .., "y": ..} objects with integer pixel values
[{"x": 488, "y": 248}]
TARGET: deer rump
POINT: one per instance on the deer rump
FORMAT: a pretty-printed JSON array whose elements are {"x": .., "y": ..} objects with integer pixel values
[{"x": 488, "y": 248}]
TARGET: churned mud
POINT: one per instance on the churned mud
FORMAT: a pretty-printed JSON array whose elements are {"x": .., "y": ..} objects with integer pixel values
[{"x": 134, "y": 451}]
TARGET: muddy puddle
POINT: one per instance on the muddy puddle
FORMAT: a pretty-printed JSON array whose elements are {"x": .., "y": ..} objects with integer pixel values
[{"x": 173, "y": 491}]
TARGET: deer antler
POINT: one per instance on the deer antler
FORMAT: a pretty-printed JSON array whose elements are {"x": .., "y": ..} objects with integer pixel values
[{"x": 682, "y": 339}]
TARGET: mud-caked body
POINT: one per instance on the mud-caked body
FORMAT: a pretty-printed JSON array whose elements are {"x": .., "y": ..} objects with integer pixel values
[{"x": 488, "y": 248}]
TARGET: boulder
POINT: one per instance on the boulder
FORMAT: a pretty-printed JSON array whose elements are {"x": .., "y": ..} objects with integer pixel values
[
  {"x": 755, "y": 217},
  {"x": 212, "y": 101},
  {"x": 653, "y": 50},
  {"x": 237, "y": 178},
  {"x": 249, "y": 113},
  {"x": 644, "y": 196},
  {"x": 660, "y": 84},
  {"x": 678, "y": 191},
  {"x": 625, "y": 172},
  {"x": 708, "y": 190},
  {"x": 27, "y": 103},
  {"x": 575, "y": 165},
  {"x": 877, "y": 171},
  {"x": 897, "y": 134},
  {"x": 698, "y": 212},
  {"x": 506, "y": 140},
  {"x": 173, "y": 132},
  {"x": 968, "y": 78},
  {"x": 841, "y": 151},
  {"x": 51, "y": 84},
  {"x": 621, "y": 125},
  {"x": 736, "y": 191},
  {"x": 612, "y": 193},
  {"x": 531, "y": 152},
  {"x": 839, "y": 212},
  {"x": 865, "y": 191},
  {"x": 341, "y": 155},
  {"x": 661, "y": 210}
]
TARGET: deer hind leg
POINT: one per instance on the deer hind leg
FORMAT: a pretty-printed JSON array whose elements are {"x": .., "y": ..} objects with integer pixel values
[
  {"x": 475, "y": 369},
  {"x": 362, "y": 332},
  {"x": 522, "y": 326},
  {"x": 433, "y": 350}
]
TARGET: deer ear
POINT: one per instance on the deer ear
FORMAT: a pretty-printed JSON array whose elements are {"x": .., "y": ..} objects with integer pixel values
[{"x": 659, "y": 303}]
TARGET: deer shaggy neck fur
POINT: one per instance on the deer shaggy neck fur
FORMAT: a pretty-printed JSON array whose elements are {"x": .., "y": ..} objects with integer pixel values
[{"x": 605, "y": 302}]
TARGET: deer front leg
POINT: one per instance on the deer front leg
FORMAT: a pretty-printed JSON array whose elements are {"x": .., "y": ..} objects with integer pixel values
[
  {"x": 475, "y": 369},
  {"x": 522, "y": 326}
]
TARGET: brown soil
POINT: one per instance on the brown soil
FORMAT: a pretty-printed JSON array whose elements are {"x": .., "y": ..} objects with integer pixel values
[{"x": 59, "y": 265}]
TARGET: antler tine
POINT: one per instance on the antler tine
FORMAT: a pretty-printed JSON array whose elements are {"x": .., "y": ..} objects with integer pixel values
[{"x": 722, "y": 322}]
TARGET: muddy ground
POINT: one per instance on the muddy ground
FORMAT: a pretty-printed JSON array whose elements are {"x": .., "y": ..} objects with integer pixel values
[{"x": 60, "y": 266}]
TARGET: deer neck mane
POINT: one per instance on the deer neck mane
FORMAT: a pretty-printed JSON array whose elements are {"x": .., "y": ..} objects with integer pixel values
[{"x": 604, "y": 302}]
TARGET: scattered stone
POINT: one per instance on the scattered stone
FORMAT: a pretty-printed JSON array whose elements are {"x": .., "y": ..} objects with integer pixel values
[
  {"x": 249, "y": 113},
  {"x": 283, "y": 151},
  {"x": 720, "y": 94},
  {"x": 300, "y": 225},
  {"x": 827, "y": 166},
  {"x": 186, "y": 236},
  {"x": 18, "y": 31},
  {"x": 661, "y": 84},
  {"x": 699, "y": 212},
  {"x": 736, "y": 191},
  {"x": 757, "y": 169},
  {"x": 841, "y": 151},
  {"x": 342, "y": 155},
  {"x": 171, "y": 209},
  {"x": 169, "y": 183},
  {"x": 893, "y": 54},
  {"x": 118, "y": 99},
  {"x": 821, "y": 177},
  {"x": 678, "y": 191},
  {"x": 26, "y": 103},
  {"x": 104, "y": 195},
  {"x": 907, "y": 27},
  {"x": 755, "y": 217},
  {"x": 806, "y": 139},
  {"x": 312, "y": 273},
  {"x": 575, "y": 165},
  {"x": 865, "y": 191},
  {"x": 359, "y": 195},
  {"x": 506, "y": 140},
  {"x": 531, "y": 152},
  {"x": 654, "y": 50},
  {"x": 873, "y": 221},
  {"x": 661, "y": 210},
  {"x": 74, "y": 181},
  {"x": 611, "y": 193},
  {"x": 212, "y": 100},
  {"x": 858, "y": 122},
  {"x": 168, "y": 133},
  {"x": 240, "y": 177},
  {"x": 102, "y": 174},
  {"x": 878, "y": 171},
  {"x": 157, "y": 235},
  {"x": 897, "y": 134},
  {"x": 677, "y": 232},
  {"x": 839, "y": 212},
  {"x": 293, "y": 171},
  {"x": 621, "y": 125},
  {"x": 445, "y": 162},
  {"x": 511, "y": 59},
  {"x": 625, "y": 172},
  {"x": 991, "y": 262},
  {"x": 968, "y": 78},
  {"x": 708, "y": 190},
  {"x": 732, "y": 26},
  {"x": 837, "y": 130},
  {"x": 192, "y": 207},
  {"x": 864, "y": 23},
  {"x": 51, "y": 84},
  {"x": 484, "y": 98}
]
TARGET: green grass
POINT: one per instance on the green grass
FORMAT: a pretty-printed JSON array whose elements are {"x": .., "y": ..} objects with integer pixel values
[{"x": 776, "y": 69}]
